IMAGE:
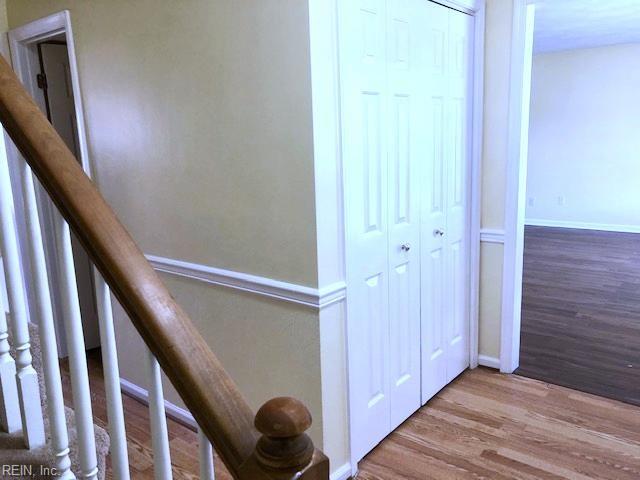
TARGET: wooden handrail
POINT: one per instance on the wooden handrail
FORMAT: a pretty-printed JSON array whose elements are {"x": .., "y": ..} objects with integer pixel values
[{"x": 195, "y": 372}]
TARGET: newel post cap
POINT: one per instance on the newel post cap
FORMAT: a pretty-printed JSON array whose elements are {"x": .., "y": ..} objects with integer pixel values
[
  {"x": 283, "y": 417},
  {"x": 284, "y": 445}
]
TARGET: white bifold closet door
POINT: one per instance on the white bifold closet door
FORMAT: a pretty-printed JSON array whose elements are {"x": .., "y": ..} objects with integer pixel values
[
  {"x": 445, "y": 203},
  {"x": 387, "y": 149},
  {"x": 384, "y": 119}
]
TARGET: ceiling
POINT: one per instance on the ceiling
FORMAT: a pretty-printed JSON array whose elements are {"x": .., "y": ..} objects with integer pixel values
[{"x": 571, "y": 24}]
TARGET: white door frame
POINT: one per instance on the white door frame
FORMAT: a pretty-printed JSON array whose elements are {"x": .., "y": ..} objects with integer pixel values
[
  {"x": 21, "y": 38},
  {"x": 518, "y": 144},
  {"x": 476, "y": 180},
  {"x": 22, "y": 41},
  {"x": 330, "y": 214}
]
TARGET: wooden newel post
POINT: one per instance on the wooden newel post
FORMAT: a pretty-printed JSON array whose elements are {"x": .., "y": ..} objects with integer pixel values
[
  {"x": 284, "y": 445},
  {"x": 285, "y": 451}
]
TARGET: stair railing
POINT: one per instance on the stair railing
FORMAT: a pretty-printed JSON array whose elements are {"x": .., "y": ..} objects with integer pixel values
[{"x": 270, "y": 445}]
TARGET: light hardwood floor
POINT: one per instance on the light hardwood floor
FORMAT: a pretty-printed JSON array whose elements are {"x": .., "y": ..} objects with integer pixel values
[
  {"x": 491, "y": 426},
  {"x": 183, "y": 441},
  {"x": 484, "y": 425}
]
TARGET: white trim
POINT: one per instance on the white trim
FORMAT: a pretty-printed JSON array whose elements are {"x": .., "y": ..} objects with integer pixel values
[
  {"x": 21, "y": 40},
  {"x": 173, "y": 411},
  {"x": 487, "y": 361},
  {"x": 341, "y": 473},
  {"x": 518, "y": 134},
  {"x": 39, "y": 30},
  {"x": 470, "y": 7},
  {"x": 330, "y": 234},
  {"x": 331, "y": 294},
  {"x": 475, "y": 232},
  {"x": 312, "y": 297},
  {"x": 605, "y": 227},
  {"x": 492, "y": 235}
]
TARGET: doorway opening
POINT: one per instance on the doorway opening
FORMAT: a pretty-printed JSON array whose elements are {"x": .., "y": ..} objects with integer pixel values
[
  {"x": 43, "y": 57},
  {"x": 577, "y": 222}
]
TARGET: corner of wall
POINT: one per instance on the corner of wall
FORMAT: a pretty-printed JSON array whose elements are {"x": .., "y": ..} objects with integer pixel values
[
  {"x": 330, "y": 232},
  {"x": 498, "y": 34}
]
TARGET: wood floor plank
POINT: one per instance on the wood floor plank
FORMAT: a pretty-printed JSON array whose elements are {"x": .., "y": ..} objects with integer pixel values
[
  {"x": 487, "y": 425},
  {"x": 183, "y": 441},
  {"x": 581, "y": 310},
  {"x": 484, "y": 425}
]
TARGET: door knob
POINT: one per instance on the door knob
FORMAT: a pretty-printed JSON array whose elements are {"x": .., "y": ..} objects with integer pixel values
[
  {"x": 438, "y": 233},
  {"x": 405, "y": 247}
]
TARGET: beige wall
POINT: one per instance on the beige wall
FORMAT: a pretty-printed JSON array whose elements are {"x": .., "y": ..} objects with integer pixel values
[
  {"x": 490, "y": 299},
  {"x": 268, "y": 350},
  {"x": 199, "y": 124},
  {"x": 198, "y": 118},
  {"x": 4, "y": 26},
  {"x": 496, "y": 97},
  {"x": 4, "y": 23},
  {"x": 496, "y": 100}
]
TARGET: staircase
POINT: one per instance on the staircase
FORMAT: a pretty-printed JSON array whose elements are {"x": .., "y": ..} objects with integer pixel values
[
  {"x": 12, "y": 447},
  {"x": 270, "y": 445}
]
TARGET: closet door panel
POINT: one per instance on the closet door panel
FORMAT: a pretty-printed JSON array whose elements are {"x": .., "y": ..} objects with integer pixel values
[
  {"x": 456, "y": 238},
  {"x": 434, "y": 265},
  {"x": 405, "y": 123},
  {"x": 405, "y": 96},
  {"x": 363, "y": 55}
]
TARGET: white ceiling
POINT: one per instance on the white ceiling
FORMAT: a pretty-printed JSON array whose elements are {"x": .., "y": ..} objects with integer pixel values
[{"x": 570, "y": 24}]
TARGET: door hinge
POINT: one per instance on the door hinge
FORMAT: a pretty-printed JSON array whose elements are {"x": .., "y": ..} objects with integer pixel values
[{"x": 41, "y": 78}]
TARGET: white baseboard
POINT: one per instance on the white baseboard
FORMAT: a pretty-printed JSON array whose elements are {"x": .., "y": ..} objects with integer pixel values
[
  {"x": 173, "y": 411},
  {"x": 605, "y": 227},
  {"x": 183, "y": 416},
  {"x": 487, "y": 361},
  {"x": 341, "y": 473}
]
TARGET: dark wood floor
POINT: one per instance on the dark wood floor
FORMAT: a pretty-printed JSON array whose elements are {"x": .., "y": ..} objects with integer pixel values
[{"x": 581, "y": 311}]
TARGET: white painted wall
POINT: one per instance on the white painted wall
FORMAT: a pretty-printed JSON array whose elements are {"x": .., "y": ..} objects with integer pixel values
[{"x": 584, "y": 151}]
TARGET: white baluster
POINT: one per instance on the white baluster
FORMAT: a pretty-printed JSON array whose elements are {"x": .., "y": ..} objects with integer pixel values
[
  {"x": 115, "y": 412},
  {"x": 51, "y": 368},
  {"x": 9, "y": 403},
  {"x": 26, "y": 376},
  {"x": 207, "y": 471},
  {"x": 9, "y": 406},
  {"x": 77, "y": 355},
  {"x": 158, "y": 419}
]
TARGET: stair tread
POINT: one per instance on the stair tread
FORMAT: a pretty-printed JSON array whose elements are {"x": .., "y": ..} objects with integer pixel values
[{"x": 13, "y": 450}]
